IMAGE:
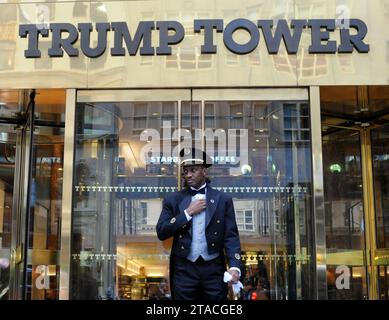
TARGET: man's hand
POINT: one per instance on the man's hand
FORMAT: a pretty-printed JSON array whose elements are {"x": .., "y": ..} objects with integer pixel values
[
  {"x": 196, "y": 207},
  {"x": 235, "y": 275}
]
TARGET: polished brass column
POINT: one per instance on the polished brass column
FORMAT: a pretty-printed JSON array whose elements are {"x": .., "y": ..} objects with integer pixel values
[{"x": 369, "y": 212}]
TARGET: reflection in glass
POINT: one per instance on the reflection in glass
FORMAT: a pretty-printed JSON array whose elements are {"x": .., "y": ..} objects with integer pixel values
[
  {"x": 354, "y": 107},
  {"x": 118, "y": 194},
  {"x": 118, "y": 198},
  {"x": 7, "y": 166},
  {"x": 271, "y": 190},
  {"x": 50, "y": 106},
  {"x": 380, "y": 155},
  {"x": 10, "y": 102},
  {"x": 343, "y": 194},
  {"x": 380, "y": 159},
  {"x": 343, "y": 190},
  {"x": 45, "y": 213}
]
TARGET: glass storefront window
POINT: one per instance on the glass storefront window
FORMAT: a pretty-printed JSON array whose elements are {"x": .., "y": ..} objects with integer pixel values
[
  {"x": 118, "y": 199},
  {"x": 118, "y": 193},
  {"x": 271, "y": 192}
]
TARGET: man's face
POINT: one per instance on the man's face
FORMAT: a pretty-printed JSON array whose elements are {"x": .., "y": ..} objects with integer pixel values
[{"x": 194, "y": 175}]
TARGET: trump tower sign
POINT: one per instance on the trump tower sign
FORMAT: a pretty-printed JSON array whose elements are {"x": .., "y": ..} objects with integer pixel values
[{"x": 64, "y": 36}]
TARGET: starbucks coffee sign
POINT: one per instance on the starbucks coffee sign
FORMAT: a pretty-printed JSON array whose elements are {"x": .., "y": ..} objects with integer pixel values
[{"x": 170, "y": 33}]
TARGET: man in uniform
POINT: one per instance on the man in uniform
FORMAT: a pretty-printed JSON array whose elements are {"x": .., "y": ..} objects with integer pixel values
[{"x": 202, "y": 222}]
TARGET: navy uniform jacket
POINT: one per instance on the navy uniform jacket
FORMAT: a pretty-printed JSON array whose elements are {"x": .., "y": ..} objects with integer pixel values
[{"x": 221, "y": 230}]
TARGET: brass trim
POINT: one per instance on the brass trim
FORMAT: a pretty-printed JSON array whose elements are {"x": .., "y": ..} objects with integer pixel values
[
  {"x": 18, "y": 258},
  {"x": 67, "y": 194},
  {"x": 349, "y": 258},
  {"x": 42, "y": 256},
  {"x": 133, "y": 95},
  {"x": 381, "y": 257},
  {"x": 369, "y": 212},
  {"x": 261, "y": 94},
  {"x": 16, "y": 214}
]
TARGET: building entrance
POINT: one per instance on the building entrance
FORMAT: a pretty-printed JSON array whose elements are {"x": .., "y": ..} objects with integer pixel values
[
  {"x": 355, "y": 130},
  {"x": 125, "y": 163}
]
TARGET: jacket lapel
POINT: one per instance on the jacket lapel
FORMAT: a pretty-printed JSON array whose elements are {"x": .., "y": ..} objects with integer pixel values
[
  {"x": 185, "y": 201},
  {"x": 212, "y": 201}
]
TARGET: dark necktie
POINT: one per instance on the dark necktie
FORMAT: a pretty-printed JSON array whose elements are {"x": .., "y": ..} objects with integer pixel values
[{"x": 194, "y": 192}]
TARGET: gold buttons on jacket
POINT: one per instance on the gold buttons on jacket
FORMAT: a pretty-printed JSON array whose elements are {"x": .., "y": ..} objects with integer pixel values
[{"x": 172, "y": 220}]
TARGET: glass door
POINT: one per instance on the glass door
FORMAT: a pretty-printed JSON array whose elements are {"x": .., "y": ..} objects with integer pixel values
[
  {"x": 261, "y": 146},
  {"x": 344, "y": 207},
  {"x": 125, "y": 163},
  {"x": 124, "y": 166}
]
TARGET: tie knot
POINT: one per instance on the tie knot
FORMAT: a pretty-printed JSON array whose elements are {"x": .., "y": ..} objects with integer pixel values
[{"x": 194, "y": 192}]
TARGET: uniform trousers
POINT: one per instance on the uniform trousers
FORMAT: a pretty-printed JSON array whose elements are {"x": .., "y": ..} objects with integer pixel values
[{"x": 199, "y": 280}]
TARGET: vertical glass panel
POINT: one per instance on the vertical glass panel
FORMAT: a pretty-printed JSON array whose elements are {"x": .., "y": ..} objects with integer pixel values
[
  {"x": 7, "y": 171},
  {"x": 383, "y": 280},
  {"x": 380, "y": 158},
  {"x": 339, "y": 100},
  {"x": 378, "y": 98},
  {"x": 118, "y": 198},
  {"x": 380, "y": 154},
  {"x": 262, "y": 158},
  {"x": 45, "y": 206},
  {"x": 343, "y": 195},
  {"x": 10, "y": 102},
  {"x": 191, "y": 121},
  {"x": 50, "y": 106}
]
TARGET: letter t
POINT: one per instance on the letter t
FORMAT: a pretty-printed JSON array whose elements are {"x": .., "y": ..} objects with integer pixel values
[
  {"x": 208, "y": 26},
  {"x": 33, "y": 32}
]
